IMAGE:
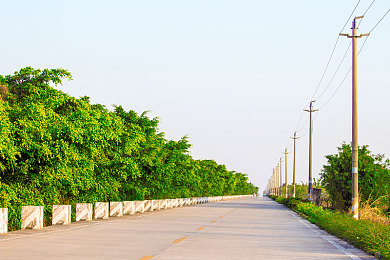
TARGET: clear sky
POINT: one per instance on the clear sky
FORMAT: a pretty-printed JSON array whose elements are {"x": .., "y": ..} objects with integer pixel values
[{"x": 232, "y": 75}]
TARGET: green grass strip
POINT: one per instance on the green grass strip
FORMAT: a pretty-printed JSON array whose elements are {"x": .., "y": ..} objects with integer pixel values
[{"x": 371, "y": 237}]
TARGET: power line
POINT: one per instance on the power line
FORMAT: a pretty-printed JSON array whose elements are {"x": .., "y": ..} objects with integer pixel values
[
  {"x": 338, "y": 68},
  {"x": 350, "y": 68},
  {"x": 330, "y": 58},
  {"x": 380, "y": 20},
  {"x": 368, "y": 8},
  {"x": 361, "y": 48},
  {"x": 334, "y": 48},
  {"x": 334, "y": 74}
]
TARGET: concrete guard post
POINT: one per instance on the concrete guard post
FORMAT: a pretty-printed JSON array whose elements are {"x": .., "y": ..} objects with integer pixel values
[
  {"x": 116, "y": 208},
  {"x": 156, "y": 204},
  {"x": 180, "y": 202},
  {"x": 61, "y": 215},
  {"x": 101, "y": 210},
  {"x": 163, "y": 204},
  {"x": 31, "y": 217},
  {"x": 84, "y": 211},
  {"x": 128, "y": 207},
  {"x": 3, "y": 221},
  {"x": 160, "y": 203},
  {"x": 175, "y": 203},
  {"x": 169, "y": 203},
  {"x": 140, "y": 206},
  {"x": 148, "y": 205}
]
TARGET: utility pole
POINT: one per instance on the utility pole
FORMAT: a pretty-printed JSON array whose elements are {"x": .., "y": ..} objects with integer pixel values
[
  {"x": 310, "y": 146},
  {"x": 281, "y": 178},
  {"x": 285, "y": 168},
  {"x": 355, "y": 173},
  {"x": 295, "y": 143},
  {"x": 272, "y": 181},
  {"x": 276, "y": 181}
]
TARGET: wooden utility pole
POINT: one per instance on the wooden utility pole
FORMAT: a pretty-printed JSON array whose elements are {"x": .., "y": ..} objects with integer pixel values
[
  {"x": 285, "y": 168},
  {"x": 281, "y": 177},
  {"x": 355, "y": 175},
  {"x": 310, "y": 146},
  {"x": 295, "y": 143}
]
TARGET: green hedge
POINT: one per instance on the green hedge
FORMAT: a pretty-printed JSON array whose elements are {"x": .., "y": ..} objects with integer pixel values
[
  {"x": 371, "y": 237},
  {"x": 58, "y": 149}
]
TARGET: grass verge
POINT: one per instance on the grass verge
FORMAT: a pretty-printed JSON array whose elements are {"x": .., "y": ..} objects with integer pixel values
[{"x": 374, "y": 238}]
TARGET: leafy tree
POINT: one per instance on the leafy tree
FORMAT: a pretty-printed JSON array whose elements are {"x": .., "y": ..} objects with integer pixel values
[
  {"x": 57, "y": 149},
  {"x": 336, "y": 176}
]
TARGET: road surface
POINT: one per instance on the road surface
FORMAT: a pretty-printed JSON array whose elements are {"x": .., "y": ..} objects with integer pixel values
[{"x": 249, "y": 228}]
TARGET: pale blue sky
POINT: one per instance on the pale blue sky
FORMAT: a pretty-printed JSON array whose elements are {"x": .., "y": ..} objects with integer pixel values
[{"x": 233, "y": 75}]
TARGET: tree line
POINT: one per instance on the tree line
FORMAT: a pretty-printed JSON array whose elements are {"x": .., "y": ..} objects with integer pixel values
[{"x": 58, "y": 149}]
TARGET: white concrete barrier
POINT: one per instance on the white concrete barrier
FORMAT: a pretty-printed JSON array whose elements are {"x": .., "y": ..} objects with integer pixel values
[
  {"x": 163, "y": 204},
  {"x": 169, "y": 203},
  {"x": 3, "y": 221},
  {"x": 175, "y": 203},
  {"x": 156, "y": 204},
  {"x": 148, "y": 206},
  {"x": 128, "y": 207},
  {"x": 84, "y": 211},
  {"x": 180, "y": 202},
  {"x": 31, "y": 217},
  {"x": 101, "y": 210},
  {"x": 116, "y": 208},
  {"x": 140, "y": 206},
  {"x": 61, "y": 215}
]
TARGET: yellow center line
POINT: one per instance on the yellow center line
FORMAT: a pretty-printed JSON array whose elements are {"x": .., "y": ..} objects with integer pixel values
[
  {"x": 147, "y": 257},
  {"x": 213, "y": 221},
  {"x": 200, "y": 228},
  {"x": 177, "y": 241}
]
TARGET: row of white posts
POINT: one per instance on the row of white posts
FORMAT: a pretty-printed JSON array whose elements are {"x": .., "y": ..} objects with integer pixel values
[{"x": 32, "y": 216}]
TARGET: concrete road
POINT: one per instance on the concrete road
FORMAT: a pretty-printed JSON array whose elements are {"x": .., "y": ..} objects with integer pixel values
[{"x": 250, "y": 228}]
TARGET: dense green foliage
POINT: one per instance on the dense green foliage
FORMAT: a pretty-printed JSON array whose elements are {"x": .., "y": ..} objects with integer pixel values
[
  {"x": 371, "y": 237},
  {"x": 374, "y": 177},
  {"x": 301, "y": 189},
  {"x": 57, "y": 149}
]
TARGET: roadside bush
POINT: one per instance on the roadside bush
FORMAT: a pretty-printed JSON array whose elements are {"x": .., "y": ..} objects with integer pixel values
[
  {"x": 374, "y": 177},
  {"x": 58, "y": 149}
]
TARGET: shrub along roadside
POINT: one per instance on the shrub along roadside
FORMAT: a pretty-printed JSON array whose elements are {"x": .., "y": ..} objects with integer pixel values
[
  {"x": 58, "y": 149},
  {"x": 373, "y": 238}
]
